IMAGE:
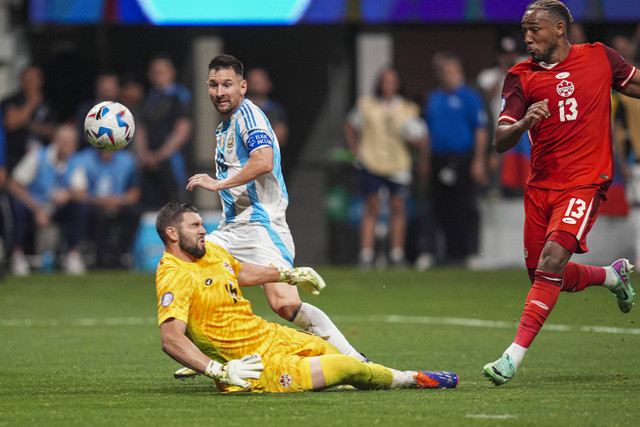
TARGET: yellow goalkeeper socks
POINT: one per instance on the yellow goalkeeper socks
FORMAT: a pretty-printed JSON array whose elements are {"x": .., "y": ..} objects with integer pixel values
[{"x": 335, "y": 369}]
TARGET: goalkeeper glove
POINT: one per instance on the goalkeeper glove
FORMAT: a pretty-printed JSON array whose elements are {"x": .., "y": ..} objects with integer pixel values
[
  {"x": 304, "y": 277},
  {"x": 236, "y": 371}
]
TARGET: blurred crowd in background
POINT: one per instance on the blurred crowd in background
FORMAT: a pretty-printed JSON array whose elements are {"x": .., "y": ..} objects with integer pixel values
[{"x": 416, "y": 167}]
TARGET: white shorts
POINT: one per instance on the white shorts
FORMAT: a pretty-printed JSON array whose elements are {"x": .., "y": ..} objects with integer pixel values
[{"x": 256, "y": 244}]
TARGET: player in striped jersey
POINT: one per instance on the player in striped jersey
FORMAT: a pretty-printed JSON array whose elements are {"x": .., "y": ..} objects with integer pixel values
[
  {"x": 254, "y": 197},
  {"x": 207, "y": 325}
]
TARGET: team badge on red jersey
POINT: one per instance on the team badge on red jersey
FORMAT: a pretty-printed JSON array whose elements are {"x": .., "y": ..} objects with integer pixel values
[
  {"x": 565, "y": 88},
  {"x": 285, "y": 380}
]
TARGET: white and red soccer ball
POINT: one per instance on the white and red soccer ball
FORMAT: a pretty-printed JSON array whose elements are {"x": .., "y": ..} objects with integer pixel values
[{"x": 109, "y": 126}]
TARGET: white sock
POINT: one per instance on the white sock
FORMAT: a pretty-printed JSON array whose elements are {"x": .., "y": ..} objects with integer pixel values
[
  {"x": 611, "y": 279},
  {"x": 367, "y": 255},
  {"x": 314, "y": 320},
  {"x": 516, "y": 352},
  {"x": 397, "y": 254},
  {"x": 403, "y": 379}
]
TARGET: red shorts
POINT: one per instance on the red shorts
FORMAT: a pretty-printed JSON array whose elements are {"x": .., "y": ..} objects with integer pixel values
[{"x": 572, "y": 211}]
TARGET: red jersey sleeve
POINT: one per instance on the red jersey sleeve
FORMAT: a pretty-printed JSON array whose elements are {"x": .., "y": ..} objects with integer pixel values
[
  {"x": 514, "y": 103},
  {"x": 621, "y": 72}
]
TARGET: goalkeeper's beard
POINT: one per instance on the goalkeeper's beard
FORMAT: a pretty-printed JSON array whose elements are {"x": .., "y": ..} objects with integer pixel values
[{"x": 193, "y": 250}]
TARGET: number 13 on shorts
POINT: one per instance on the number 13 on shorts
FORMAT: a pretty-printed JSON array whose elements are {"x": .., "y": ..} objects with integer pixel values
[{"x": 575, "y": 210}]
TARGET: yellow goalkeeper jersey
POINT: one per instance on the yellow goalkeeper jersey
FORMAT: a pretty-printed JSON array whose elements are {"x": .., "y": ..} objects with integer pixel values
[{"x": 206, "y": 296}]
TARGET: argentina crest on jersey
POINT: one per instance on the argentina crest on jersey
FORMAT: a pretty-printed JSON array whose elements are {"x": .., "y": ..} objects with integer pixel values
[{"x": 231, "y": 137}]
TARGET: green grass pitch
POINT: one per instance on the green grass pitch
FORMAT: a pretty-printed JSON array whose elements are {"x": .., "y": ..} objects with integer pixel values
[{"x": 86, "y": 351}]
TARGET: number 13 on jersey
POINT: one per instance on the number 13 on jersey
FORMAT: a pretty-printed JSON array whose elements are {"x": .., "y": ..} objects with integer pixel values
[{"x": 568, "y": 109}]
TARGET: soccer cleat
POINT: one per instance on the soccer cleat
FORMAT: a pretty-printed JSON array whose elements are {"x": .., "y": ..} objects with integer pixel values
[
  {"x": 623, "y": 290},
  {"x": 365, "y": 358},
  {"x": 425, "y": 379},
  {"x": 500, "y": 371},
  {"x": 185, "y": 373}
]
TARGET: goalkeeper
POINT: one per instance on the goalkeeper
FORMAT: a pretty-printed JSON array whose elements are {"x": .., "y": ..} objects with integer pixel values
[{"x": 207, "y": 325}]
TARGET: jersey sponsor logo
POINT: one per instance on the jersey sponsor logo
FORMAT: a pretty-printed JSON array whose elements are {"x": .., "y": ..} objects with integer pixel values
[
  {"x": 562, "y": 75},
  {"x": 540, "y": 304},
  {"x": 208, "y": 282},
  {"x": 565, "y": 88},
  {"x": 228, "y": 267},
  {"x": 285, "y": 380},
  {"x": 166, "y": 299}
]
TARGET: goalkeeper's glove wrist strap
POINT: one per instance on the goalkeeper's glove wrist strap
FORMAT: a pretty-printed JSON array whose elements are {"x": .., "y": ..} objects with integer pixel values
[
  {"x": 284, "y": 276},
  {"x": 214, "y": 370}
]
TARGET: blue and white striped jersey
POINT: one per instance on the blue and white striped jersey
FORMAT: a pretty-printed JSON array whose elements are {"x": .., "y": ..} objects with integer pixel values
[{"x": 264, "y": 200}]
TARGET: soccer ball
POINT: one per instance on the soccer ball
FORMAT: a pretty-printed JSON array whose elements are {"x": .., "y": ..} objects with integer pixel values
[{"x": 109, "y": 126}]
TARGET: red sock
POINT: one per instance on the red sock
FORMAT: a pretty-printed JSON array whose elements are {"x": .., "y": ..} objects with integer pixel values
[
  {"x": 577, "y": 277},
  {"x": 540, "y": 301}
]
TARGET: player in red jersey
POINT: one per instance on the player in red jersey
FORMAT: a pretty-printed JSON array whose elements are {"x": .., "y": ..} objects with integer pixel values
[{"x": 562, "y": 97}]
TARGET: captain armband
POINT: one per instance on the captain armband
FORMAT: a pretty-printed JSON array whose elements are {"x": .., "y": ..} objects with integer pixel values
[{"x": 259, "y": 139}]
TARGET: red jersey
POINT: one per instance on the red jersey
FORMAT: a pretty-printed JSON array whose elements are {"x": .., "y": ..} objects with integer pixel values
[{"x": 573, "y": 146}]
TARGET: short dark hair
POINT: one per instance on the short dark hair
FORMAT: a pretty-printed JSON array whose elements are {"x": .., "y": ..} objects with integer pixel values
[
  {"x": 227, "y": 62},
  {"x": 170, "y": 215},
  {"x": 554, "y": 8}
]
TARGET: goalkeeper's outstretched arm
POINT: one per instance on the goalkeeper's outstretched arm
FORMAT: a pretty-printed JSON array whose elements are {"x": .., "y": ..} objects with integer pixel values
[
  {"x": 176, "y": 344},
  {"x": 252, "y": 275},
  {"x": 304, "y": 277},
  {"x": 235, "y": 372}
]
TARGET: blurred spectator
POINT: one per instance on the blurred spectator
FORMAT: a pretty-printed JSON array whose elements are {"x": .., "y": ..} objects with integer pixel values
[
  {"x": 490, "y": 79},
  {"x": 627, "y": 144},
  {"x": 259, "y": 87},
  {"x": 107, "y": 87},
  {"x": 28, "y": 119},
  {"x": 377, "y": 131},
  {"x": 577, "y": 33},
  {"x": 3, "y": 157},
  {"x": 164, "y": 126},
  {"x": 456, "y": 157},
  {"x": 44, "y": 193},
  {"x": 112, "y": 191},
  {"x": 511, "y": 168},
  {"x": 5, "y": 205},
  {"x": 131, "y": 93}
]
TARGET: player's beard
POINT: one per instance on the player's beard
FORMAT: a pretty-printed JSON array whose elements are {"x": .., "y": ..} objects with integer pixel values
[
  {"x": 541, "y": 56},
  {"x": 192, "y": 249}
]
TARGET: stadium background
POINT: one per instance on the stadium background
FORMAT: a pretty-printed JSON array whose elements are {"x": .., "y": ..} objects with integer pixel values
[
  {"x": 320, "y": 54},
  {"x": 85, "y": 350}
]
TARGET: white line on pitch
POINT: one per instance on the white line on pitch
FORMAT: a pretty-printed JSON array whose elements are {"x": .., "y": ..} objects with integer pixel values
[
  {"x": 391, "y": 318},
  {"x": 489, "y": 416},
  {"x": 480, "y": 323}
]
